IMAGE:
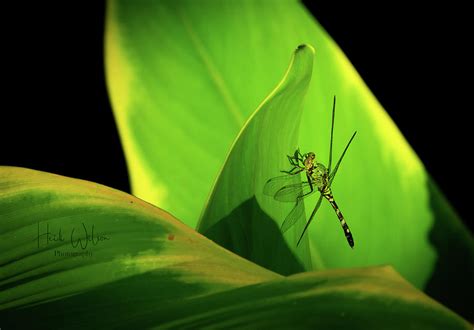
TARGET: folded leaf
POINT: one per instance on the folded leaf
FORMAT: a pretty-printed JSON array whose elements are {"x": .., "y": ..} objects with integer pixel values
[{"x": 271, "y": 132}]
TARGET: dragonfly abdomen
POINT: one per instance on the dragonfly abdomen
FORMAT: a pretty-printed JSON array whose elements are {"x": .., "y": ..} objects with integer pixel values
[{"x": 345, "y": 227}]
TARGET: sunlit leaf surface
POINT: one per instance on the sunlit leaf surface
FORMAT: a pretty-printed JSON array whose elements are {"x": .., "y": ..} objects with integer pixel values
[{"x": 184, "y": 77}]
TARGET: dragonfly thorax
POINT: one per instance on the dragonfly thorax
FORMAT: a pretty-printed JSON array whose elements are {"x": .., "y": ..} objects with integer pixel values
[{"x": 319, "y": 177}]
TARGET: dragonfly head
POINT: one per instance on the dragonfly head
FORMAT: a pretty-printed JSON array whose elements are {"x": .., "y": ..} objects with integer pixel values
[
  {"x": 310, "y": 159},
  {"x": 311, "y": 156}
]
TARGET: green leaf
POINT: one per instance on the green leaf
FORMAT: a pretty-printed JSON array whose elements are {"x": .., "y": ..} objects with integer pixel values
[
  {"x": 142, "y": 268},
  {"x": 184, "y": 76},
  {"x": 98, "y": 235},
  {"x": 375, "y": 298},
  {"x": 271, "y": 132}
]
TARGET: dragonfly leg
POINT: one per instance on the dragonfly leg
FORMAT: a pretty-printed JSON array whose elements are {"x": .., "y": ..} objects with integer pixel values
[
  {"x": 298, "y": 156},
  {"x": 293, "y": 161},
  {"x": 311, "y": 188},
  {"x": 295, "y": 155},
  {"x": 290, "y": 172},
  {"x": 310, "y": 182},
  {"x": 296, "y": 159}
]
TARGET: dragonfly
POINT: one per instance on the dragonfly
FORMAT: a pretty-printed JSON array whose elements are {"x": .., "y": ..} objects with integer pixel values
[{"x": 318, "y": 178}]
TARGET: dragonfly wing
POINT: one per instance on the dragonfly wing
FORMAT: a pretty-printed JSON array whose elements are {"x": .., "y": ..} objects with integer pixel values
[
  {"x": 293, "y": 192},
  {"x": 274, "y": 184},
  {"x": 333, "y": 173},
  {"x": 293, "y": 217},
  {"x": 316, "y": 208},
  {"x": 285, "y": 188}
]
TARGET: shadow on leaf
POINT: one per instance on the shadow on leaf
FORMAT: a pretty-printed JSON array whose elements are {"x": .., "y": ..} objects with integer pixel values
[
  {"x": 451, "y": 281},
  {"x": 131, "y": 301},
  {"x": 251, "y": 233}
]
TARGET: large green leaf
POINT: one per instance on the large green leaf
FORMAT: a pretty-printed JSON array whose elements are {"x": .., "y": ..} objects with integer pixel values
[
  {"x": 142, "y": 268},
  {"x": 182, "y": 86},
  {"x": 128, "y": 239},
  {"x": 184, "y": 76}
]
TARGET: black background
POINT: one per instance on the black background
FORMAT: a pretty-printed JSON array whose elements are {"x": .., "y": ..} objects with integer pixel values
[{"x": 56, "y": 116}]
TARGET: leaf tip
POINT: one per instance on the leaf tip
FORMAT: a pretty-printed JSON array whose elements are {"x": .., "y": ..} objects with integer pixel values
[{"x": 302, "y": 47}]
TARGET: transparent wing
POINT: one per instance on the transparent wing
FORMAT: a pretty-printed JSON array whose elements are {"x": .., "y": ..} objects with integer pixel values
[
  {"x": 283, "y": 189},
  {"x": 274, "y": 184},
  {"x": 293, "y": 217},
  {"x": 316, "y": 208},
  {"x": 293, "y": 192},
  {"x": 333, "y": 173}
]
